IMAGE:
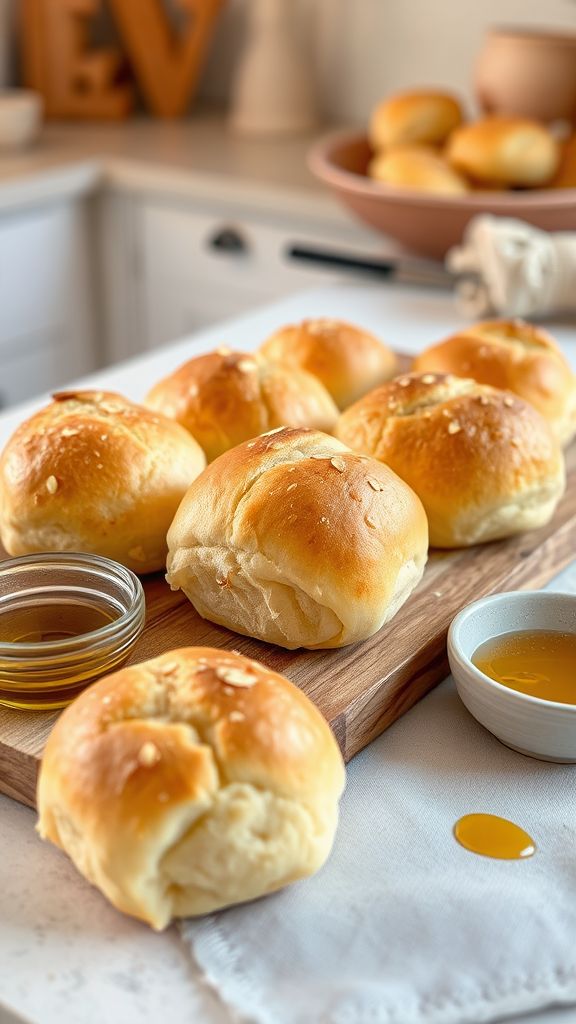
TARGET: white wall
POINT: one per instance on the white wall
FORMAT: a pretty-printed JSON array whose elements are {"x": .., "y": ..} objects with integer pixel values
[{"x": 365, "y": 48}]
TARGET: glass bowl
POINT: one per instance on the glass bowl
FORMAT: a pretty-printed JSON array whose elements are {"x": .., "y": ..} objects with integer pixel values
[{"x": 66, "y": 618}]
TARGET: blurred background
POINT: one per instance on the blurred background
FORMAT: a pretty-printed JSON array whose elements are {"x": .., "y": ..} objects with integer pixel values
[{"x": 153, "y": 162}]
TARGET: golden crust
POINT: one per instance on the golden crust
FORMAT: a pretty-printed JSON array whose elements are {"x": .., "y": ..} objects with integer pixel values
[
  {"x": 483, "y": 462},
  {"x": 346, "y": 359},
  {"x": 225, "y": 397},
  {"x": 419, "y": 168},
  {"x": 189, "y": 782},
  {"x": 516, "y": 356},
  {"x": 94, "y": 472},
  {"x": 414, "y": 117},
  {"x": 294, "y": 539},
  {"x": 510, "y": 150}
]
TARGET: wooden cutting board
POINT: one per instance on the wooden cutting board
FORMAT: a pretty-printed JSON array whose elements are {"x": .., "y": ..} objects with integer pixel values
[{"x": 361, "y": 689}]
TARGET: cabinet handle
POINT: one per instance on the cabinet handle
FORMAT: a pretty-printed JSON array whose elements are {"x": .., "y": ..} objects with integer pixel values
[{"x": 228, "y": 240}]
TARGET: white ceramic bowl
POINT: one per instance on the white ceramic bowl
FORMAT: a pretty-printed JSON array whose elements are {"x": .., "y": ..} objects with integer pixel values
[
  {"x": 20, "y": 118},
  {"x": 540, "y": 728}
]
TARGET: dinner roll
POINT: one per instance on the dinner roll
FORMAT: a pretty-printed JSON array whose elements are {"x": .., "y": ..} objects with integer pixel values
[
  {"x": 514, "y": 355},
  {"x": 418, "y": 168},
  {"x": 94, "y": 472},
  {"x": 346, "y": 359},
  {"x": 511, "y": 150},
  {"x": 407, "y": 117},
  {"x": 483, "y": 462},
  {"x": 190, "y": 782},
  {"x": 294, "y": 539},
  {"x": 227, "y": 397}
]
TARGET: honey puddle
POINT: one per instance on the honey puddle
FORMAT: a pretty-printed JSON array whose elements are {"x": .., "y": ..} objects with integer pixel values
[{"x": 491, "y": 836}]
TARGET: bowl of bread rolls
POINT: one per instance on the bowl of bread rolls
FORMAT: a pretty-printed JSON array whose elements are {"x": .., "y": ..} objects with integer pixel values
[{"x": 422, "y": 171}]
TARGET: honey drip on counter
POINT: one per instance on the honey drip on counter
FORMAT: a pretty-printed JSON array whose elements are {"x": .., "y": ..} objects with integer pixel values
[
  {"x": 491, "y": 836},
  {"x": 55, "y": 620},
  {"x": 540, "y": 663}
]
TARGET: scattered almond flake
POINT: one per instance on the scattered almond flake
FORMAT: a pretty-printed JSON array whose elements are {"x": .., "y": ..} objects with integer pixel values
[
  {"x": 483, "y": 400},
  {"x": 69, "y": 431},
  {"x": 316, "y": 456},
  {"x": 454, "y": 427},
  {"x": 239, "y": 653},
  {"x": 338, "y": 463},
  {"x": 99, "y": 465},
  {"x": 375, "y": 484},
  {"x": 276, "y": 446},
  {"x": 428, "y": 378},
  {"x": 247, "y": 366},
  {"x": 228, "y": 691},
  {"x": 403, "y": 381},
  {"x": 324, "y": 519},
  {"x": 51, "y": 485},
  {"x": 223, "y": 351},
  {"x": 370, "y": 522},
  {"x": 392, "y": 403},
  {"x": 106, "y": 699},
  {"x": 96, "y": 453},
  {"x": 148, "y": 755},
  {"x": 509, "y": 401},
  {"x": 103, "y": 437},
  {"x": 236, "y": 716},
  {"x": 291, "y": 487},
  {"x": 137, "y": 553},
  {"x": 355, "y": 496},
  {"x": 446, "y": 412},
  {"x": 291, "y": 469},
  {"x": 235, "y": 676},
  {"x": 276, "y": 430},
  {"x": 437, "y": 593},
  {"x": 169, "y": 667},
  {"x": 163, "y": 797},
  {"x": 427, "y": 414},
  {"x": 251, "y": 444}
]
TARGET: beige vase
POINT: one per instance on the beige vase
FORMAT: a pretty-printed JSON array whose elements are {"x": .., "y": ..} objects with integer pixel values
[
  {"x": 273, "y": 90},
  {"x": 528, "y": 74}
]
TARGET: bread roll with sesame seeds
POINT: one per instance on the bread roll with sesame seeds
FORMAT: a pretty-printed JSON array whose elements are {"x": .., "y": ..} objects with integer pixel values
[
  {"x": 225, "y": 397},
  {"x": 218, "y": 783},
  {"x": 516, "y": 356},
  {"x": 94, "y": 472},
  {"x": 348, "y": 360},
  {"x": 484, "y": 463},
  {"x": 294, "y": 539}
]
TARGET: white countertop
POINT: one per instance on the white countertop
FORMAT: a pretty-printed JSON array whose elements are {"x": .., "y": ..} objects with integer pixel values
[
  {"x": 187, "y": 158},
  {"x": 66, "y": 957}
]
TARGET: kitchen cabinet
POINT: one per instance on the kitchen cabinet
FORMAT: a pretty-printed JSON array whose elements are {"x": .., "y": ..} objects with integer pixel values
[
  {"x": 172, "y": 268},
  {"x": 46, "y": 308}
]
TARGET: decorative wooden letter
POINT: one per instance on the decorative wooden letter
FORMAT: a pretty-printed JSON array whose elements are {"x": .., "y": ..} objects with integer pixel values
[
  {"x": 74, "y": 81},
  {"x": 166, "y": 64}
]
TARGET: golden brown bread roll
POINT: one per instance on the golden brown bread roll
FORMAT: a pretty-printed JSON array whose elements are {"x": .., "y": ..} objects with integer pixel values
[
  {"x": 225, "y": 397},
  {"x": 418, "y": 168},
  {"x": 190, "y": 782},
  {"x": 294, "y": 539},
  {"x": 483, "y": 462},
  {"x": 348, "y": 360},
  {"x": 416, "y": 116},
  {"x": 516, "y": 356},
  {"x": 94, "y": 472},
  {"x": 511, "y": 150}
]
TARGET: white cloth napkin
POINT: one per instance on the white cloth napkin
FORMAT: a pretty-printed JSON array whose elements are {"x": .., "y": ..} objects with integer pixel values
[
  {"x": 510, "y": 268},
  {"x": 404, "y": 926}
]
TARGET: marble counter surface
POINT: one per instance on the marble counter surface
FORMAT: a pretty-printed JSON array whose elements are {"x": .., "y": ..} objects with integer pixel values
[{"x": 66, "y": 957}]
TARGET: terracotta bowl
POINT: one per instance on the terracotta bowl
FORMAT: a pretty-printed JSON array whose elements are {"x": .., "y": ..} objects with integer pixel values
[{"x": 427, "y": 224}]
